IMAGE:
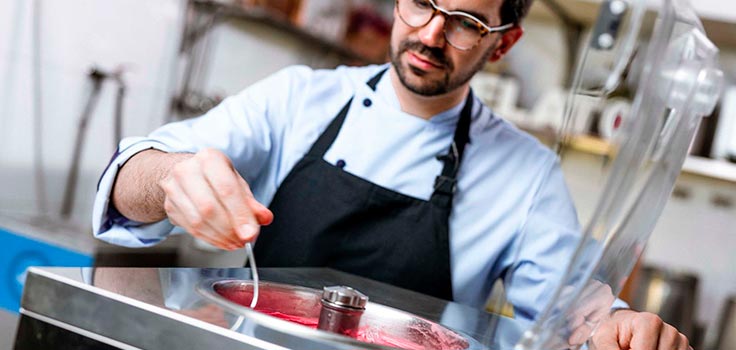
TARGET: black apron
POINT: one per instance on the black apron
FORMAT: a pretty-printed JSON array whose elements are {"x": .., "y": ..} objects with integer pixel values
[{"x": 327, "y": 217}]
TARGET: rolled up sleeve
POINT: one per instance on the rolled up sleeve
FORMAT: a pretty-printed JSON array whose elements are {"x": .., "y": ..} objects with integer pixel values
[
  {"x": 246, "y": 127},
  {"x": 107, "y": 223}
]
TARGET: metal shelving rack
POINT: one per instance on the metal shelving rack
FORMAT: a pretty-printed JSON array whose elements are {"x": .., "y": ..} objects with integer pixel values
[{"x": 201, "y": 17}]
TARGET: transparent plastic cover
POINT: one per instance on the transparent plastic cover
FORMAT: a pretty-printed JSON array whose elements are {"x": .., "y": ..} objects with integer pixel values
[{"x": 650, "y": 89}]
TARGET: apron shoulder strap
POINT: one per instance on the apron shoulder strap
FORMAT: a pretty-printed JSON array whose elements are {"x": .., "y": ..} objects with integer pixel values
[
  {"x": 376, "y": 78},
  {"x": 323, "y": 143},
  {"x": 445, "y": 184}
]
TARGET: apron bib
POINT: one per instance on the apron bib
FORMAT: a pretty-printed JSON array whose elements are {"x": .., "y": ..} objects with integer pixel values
[{"x": 327, "y": 217}]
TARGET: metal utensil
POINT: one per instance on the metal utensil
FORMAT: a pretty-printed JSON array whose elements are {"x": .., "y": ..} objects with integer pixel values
[
  {"x": 254, "y": 276},
  {"x": 253, "y": 273}
]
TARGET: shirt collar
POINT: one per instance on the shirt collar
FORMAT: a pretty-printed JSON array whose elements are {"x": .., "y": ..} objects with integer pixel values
[{"x": 385, "y": 91}]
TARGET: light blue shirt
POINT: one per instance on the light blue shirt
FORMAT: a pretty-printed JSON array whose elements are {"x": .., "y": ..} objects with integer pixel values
[{"x": 512, "y": 215}]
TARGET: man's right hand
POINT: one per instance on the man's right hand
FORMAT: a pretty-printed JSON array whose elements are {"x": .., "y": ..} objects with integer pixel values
[{"x": 207, "y": 197}]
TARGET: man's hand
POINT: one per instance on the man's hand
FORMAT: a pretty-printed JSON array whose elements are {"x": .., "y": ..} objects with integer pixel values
[
  {"x": 209, "y": 199},
  {"x": 628, "y": 329},
  {"x": 592, "y": 307}
]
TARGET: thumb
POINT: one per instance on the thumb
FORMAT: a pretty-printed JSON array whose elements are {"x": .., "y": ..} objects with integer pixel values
[{"x": 248, "y": 232}]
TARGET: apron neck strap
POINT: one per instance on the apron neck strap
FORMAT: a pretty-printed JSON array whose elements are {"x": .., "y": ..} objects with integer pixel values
[
  {"x": 323, "y": 143},
  {"x": 446, "y": 183},
  {"x": 373, "y": 82}
]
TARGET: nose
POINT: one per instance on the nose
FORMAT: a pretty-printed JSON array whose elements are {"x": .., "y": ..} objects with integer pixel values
[{"x": 433, "y": 33}]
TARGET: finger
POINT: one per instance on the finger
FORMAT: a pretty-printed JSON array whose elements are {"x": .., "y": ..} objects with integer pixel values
[
  {"x": 646, "y": 329},
  {"x": 213, "y": 215},
  {"x": 176, "y": 215},
  {"x": 575, "y": 320},
  {"x": 232, "y": 192},
  {"x": 605, "y": 337},
  {"x": 684, "y": 342},
  {"x": 185, "y": 214},
  {"x": 580, "y": 335},
  {"x": 669, "y": 338}
]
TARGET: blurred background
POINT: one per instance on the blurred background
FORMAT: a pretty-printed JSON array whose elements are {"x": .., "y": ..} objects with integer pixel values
[{"x": 77, "y": 75}]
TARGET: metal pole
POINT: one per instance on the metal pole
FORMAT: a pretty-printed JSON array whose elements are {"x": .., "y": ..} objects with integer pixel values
[{"x": 97, "y": 78}]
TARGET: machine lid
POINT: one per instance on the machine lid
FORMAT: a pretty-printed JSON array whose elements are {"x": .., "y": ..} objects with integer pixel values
[{"x": 344, "y": 296}]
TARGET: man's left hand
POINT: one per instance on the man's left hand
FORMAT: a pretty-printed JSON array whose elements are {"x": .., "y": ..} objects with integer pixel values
[{"x": 628, "y": 329}]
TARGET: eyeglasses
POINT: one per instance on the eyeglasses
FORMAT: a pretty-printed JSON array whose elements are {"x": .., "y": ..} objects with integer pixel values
[{"x": 462, "y": 30}]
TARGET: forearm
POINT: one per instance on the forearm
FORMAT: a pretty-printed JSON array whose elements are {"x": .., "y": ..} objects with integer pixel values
[{"x": 137, "y": 193}]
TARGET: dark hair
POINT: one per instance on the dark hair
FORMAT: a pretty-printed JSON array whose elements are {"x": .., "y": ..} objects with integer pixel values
[{"x": 513, "y": 11}]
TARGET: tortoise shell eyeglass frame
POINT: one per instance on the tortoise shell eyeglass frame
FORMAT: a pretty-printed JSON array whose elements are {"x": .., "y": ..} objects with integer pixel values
[{"x": 482, "y": 28}]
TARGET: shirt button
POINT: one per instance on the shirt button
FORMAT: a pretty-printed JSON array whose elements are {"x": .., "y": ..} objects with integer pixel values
[
  {"x": 340, "y": 163},
  {"x": 367, "y": 102}
]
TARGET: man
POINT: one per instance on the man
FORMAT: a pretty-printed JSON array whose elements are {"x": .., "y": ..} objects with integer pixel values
[{"x": 394, "y": 172}]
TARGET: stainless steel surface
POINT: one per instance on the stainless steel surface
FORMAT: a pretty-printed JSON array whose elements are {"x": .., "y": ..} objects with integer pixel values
[
  {"x": 160, "y": 309},
  {"x": 344, "y": 296},
  {"x": 669, "y": 294},
  {"x": 342, "y": 308},
  {"x": 340, "y": 320}
]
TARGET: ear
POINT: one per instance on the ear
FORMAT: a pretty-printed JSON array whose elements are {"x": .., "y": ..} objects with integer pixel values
[{"x": 507, "y": 40}]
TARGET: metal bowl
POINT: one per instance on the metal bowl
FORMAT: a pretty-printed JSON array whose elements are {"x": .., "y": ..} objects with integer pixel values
[{"x": 296, "y": 310}]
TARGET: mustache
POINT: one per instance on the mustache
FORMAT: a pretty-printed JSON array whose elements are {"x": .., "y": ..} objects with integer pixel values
[{"x": 433, "y": 53}]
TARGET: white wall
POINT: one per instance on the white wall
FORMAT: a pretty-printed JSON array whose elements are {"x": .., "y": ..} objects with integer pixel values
[
  {"x": 538, "y": 61},
  {"x": 725, "y": 138},
  {"x": 75, "y": 35},
  {"x": 143, "y": 36},
  {"x": 245, "y": 52},
  {"x": 711, "y": 9}
]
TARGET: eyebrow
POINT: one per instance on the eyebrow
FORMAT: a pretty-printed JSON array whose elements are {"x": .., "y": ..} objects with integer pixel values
[{"x": 477, "y": 15}]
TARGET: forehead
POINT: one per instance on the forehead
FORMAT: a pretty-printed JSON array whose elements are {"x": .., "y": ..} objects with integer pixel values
[{"x": 488, "y": 8}]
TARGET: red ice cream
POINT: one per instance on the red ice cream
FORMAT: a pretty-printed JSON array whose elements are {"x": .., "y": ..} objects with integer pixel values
[{"x": 286, "y": 305}]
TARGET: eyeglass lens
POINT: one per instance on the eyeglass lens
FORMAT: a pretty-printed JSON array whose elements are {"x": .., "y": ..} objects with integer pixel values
[{"x": 461, "y": 31}]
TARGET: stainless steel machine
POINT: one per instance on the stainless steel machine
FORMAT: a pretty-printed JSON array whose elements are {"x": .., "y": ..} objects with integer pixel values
[{"x": 148, "y": 308}]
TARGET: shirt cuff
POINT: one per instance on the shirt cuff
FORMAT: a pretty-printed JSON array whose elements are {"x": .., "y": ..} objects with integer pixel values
[
  {"x": 619, "y": 304},
  {"x": 107, "y": 223}
]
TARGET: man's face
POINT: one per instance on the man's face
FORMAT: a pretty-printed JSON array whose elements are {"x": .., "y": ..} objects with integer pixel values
[{"x": 426, "y": 64}]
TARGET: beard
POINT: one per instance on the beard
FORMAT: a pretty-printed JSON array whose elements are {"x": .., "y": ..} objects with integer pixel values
[{"x": 450, "y": 79}]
